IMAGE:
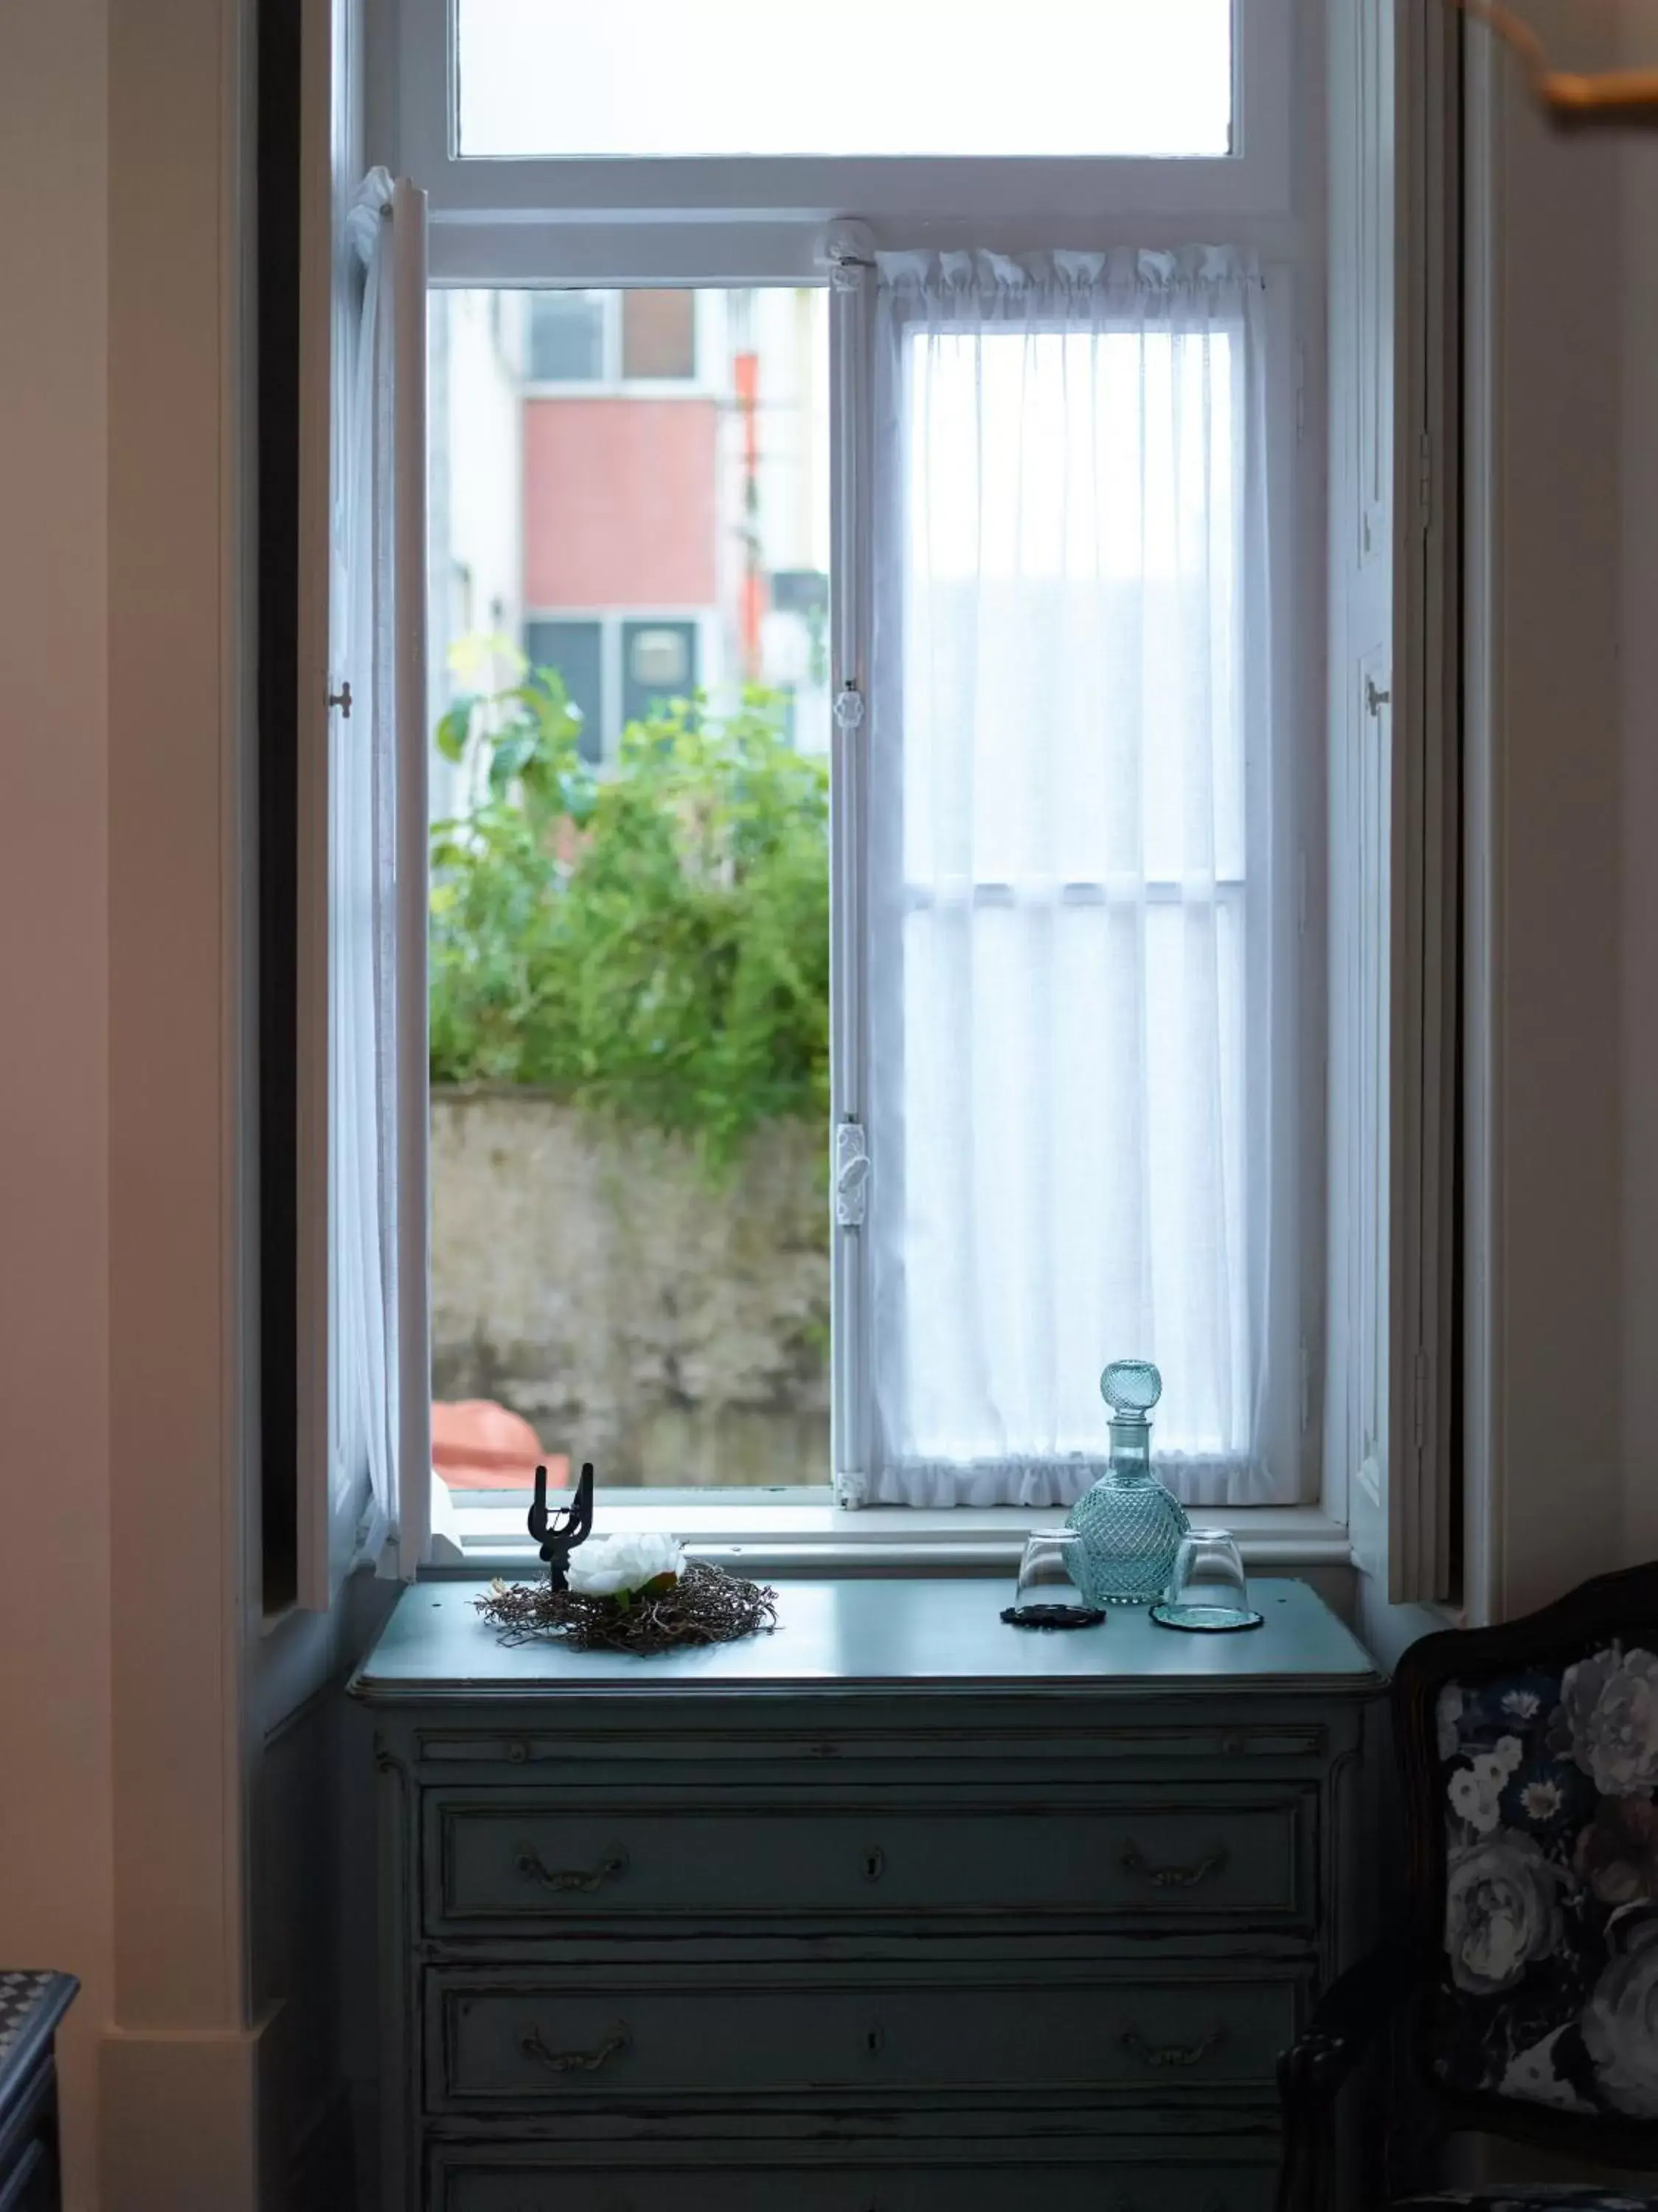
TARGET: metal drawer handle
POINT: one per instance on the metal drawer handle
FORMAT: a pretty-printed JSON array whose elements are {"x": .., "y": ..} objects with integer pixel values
[
  {"x": 1171, "y": 2054},
  {"x": 616, "y": 2039},
  {"x": 1134, "y": 1860},
  {"x": 613, "y": 1865}
]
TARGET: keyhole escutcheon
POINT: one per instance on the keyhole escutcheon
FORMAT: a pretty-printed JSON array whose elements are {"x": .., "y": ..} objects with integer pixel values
[{"x": 875, "y": 1863}]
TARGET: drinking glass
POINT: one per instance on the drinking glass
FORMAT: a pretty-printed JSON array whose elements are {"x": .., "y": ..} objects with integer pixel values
[
  {"x": 1208, "y": 1589},
  {"x": 1047, "y": 1594}
]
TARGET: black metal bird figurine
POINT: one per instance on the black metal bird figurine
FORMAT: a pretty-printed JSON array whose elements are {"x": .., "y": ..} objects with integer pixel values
[{"x": 559, "y": 1532}]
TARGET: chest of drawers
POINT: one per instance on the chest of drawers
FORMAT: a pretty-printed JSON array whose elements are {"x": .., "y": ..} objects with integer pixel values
[{"x": 896, "y": 1908}]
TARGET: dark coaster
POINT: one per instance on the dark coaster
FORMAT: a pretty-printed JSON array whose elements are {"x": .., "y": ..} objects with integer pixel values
[
  {"x": 1053, "y": 1616},
  {"x": 1205, "y": 1619}
]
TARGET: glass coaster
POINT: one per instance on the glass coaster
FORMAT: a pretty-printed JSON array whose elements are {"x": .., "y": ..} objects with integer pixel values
[
  {"x": 1205, "y": 1619},
  {"x": 1052, "y": 1616}
]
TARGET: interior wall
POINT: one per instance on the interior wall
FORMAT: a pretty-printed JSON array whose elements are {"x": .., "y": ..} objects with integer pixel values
[
  {"x": 1638, "y": 470},
  {"x": 1565, "y": 1341},
  {"x": 55, "y": 1902}
]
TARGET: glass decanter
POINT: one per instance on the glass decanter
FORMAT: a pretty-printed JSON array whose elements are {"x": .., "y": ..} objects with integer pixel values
[{"x": 1130, "y": 1525}]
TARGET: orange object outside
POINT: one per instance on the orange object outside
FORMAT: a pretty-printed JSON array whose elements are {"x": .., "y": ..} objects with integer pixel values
[{"x": 479, "y": 1445}]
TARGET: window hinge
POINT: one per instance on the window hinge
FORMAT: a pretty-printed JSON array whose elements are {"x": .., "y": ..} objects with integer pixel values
[
  {"x": 851, "y": 1174},
  {"x": 1420, "y": 1394},
  {"x": 1306, "y": 1388},
  {"x": 1301, "y": 393},
  {"x": 342, "y": 699},
  {"x": 848, "y": 707},
  {"x": 1425, "y": 480}
]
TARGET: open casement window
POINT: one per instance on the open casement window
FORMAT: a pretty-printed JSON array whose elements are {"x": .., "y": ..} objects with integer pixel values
[
  {"x": 367, "y": 1489},
  {"x": 1392, "y": 1444},
  {"x": 1199, "y": 936}
]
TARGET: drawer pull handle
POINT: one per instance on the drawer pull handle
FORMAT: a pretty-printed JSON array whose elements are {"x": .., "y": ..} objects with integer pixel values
[
  {"x": 613, "y": 1865},
  {"x": 616, "y": 2039},
  {"x": 1134, "y": 1860},
  {"x": 875, "y": 1863},
  {"x": 1171, "y": 2054}
]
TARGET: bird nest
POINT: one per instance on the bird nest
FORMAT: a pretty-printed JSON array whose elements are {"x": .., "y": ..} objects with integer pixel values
[{"x": 703, "y": 1605}]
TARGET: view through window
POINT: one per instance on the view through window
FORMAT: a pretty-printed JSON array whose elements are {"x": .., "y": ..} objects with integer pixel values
[{"x": 629, "y": 499}]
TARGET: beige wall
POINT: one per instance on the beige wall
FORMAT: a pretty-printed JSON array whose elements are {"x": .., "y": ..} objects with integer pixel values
[
  {"x": 56, "y": 1906},
  {"x": 121, "y": 1573},
  {"x": 1638, "y": 470},
  {"x": 1563, "y": 263}
]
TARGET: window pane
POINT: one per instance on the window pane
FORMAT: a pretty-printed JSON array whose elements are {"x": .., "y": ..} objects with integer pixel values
[
  {"x": 659, "y": 334},
  {"x": 553, "y": 77},
  {"x": 566, "y": 338},
  {"x": 630, "y": 935},
  {"x": 575, "y": 651}
]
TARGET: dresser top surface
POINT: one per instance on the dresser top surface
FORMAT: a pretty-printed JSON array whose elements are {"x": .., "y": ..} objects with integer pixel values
[{"x": 865, "y": 1636}]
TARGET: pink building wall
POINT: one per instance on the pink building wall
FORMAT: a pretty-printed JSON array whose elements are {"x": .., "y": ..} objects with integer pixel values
[{"x": 619, "y": 503}]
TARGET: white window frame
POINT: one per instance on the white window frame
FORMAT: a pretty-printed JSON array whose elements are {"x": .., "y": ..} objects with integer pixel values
[{"x": 724, "y": 223}]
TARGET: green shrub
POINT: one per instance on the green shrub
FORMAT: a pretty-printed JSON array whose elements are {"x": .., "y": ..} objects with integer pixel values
[{"x": 653, "y": 945}]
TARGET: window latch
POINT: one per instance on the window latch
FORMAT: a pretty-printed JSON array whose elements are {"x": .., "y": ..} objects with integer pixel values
[
  {"x": 342, "y": 699},
  {"x": 848, "y": 707},
  {"x": 852, "y": 1175}
]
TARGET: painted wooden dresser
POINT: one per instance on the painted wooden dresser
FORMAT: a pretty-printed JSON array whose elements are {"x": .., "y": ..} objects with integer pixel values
[{"x": 895, "y": 1909}]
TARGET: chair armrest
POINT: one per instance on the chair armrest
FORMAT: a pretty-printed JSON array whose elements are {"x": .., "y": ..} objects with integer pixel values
[{"x": 1347, "y": 2019}]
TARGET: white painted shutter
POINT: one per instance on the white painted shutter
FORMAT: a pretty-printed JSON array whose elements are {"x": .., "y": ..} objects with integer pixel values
[
  {"x": 364, "y": 1424},
  {"x": 1394, "y": 790}
]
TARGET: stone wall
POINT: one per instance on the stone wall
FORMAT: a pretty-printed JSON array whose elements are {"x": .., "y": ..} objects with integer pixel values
[{"x": 672, "y": 1327}]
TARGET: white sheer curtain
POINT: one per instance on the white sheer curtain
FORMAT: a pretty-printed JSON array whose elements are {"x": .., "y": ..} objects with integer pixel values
[
  {"x": 379, "y": 1393},
  {"x": 1080, "y": 1114}
]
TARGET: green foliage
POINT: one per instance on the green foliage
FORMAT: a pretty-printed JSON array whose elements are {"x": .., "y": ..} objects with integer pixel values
[{"x": 653, "y": 944}]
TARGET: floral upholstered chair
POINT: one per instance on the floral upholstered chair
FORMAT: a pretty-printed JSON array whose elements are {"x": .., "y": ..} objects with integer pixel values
[{"x": 1524, "y": 1981}]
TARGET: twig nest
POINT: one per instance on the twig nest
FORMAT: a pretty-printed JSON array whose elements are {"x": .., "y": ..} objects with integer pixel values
[{"x": 700, "y": 1604}]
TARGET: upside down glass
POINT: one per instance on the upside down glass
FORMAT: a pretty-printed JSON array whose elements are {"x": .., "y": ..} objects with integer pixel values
[
  {"x": 1047, "y": 1594},
  {"x": 1208, "y": 1589}
]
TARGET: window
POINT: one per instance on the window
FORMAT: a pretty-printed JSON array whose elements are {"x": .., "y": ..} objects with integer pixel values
[
  {"x": 610, "y": 339},
  {"x": 1012, "y": 469}
]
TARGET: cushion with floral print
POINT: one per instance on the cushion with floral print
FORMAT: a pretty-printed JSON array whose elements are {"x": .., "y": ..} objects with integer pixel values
[{"x": 1551, "y": 1988}]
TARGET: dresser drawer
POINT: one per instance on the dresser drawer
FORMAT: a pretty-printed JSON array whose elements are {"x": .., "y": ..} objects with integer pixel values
[
  {"x": 523, "y": 2182},
  {"x": 500, "y": 2041},
  {"x": 497, "y": 1860}
]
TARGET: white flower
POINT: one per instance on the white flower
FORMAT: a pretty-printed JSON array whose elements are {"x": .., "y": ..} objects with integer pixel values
[
  {"x": 1502, "y": 1912},
  {"x": 1541, "y": 1800},
  {"x": 605, "y": 1565},
  {"x": 1523, "y": 1704},
  {"x": 1620, "y": 2021},
  {"x": 1532, "y": 2074},
  {"x": 1475, "y": 1789},
  {"x": 1609, "y": 1710}
]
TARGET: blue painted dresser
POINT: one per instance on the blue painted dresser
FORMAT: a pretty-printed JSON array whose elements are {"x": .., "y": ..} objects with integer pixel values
[
  {"x": 895, "y": 1909},
  {"x": 31, "y": 2006}
]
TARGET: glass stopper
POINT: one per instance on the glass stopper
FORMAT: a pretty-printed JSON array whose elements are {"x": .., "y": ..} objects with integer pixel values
[{"x": 1130, "y": 1387}]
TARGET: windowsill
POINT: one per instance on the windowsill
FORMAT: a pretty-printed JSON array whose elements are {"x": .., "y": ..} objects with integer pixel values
[{"x": 810, "y": 1538}]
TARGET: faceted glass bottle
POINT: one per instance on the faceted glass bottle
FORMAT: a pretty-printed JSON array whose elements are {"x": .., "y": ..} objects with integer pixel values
[{"x": 1130, "y": 1525}]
